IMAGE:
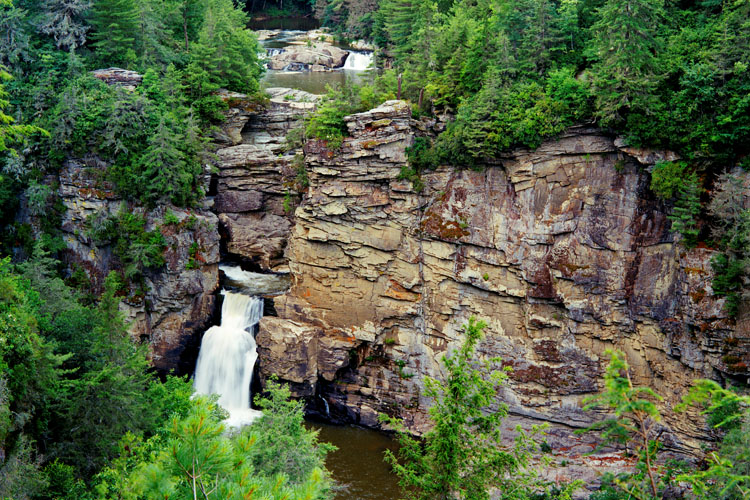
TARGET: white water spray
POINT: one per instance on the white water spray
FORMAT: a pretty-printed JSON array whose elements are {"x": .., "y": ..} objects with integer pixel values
[
  {"x": 227, "y": 357},
  {"x": 358, "y": 61}
]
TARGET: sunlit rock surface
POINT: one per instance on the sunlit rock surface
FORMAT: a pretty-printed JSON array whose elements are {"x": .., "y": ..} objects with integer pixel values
[{"x": 564, "y": 251}]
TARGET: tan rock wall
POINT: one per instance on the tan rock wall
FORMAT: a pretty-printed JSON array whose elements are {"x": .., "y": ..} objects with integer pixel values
[{"x": 564, "y": 251}]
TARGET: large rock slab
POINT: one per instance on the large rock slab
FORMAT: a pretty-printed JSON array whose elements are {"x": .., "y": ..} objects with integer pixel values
[
  {"x": 256, "y": 186},
  {"x": 306, "y": 57}
]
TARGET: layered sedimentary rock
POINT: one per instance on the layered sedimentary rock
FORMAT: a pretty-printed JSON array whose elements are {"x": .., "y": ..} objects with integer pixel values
[
  {"x": 177, "y": 300},
  {"x": 564, "y": 251},
  {"x": 257, "y": 177}
]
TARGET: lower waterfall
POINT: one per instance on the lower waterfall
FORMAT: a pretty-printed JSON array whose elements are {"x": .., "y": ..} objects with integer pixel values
[{"x": 227, "y": 357}]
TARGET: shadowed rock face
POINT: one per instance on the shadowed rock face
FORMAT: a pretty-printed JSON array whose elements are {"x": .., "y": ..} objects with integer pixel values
[
  {"x": 179, "y": 302},
  {"x": 563, "y": 251},
  {"x": 256, "y": 171}
]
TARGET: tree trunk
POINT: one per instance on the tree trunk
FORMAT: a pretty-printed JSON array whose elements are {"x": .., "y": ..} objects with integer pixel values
[{"x": 398, "y": 94}]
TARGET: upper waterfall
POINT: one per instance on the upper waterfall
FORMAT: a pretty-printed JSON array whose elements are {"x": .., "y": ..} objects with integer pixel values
[
  {"x": 227, "y": 357},
  {"x": 358, "y": 61}
]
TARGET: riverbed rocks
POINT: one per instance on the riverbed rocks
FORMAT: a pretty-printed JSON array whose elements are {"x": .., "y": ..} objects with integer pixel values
[
  {"x": 564, "y": 251},
  {"x": 317, "y": 56},
  {"x": 257, "y": 186}
]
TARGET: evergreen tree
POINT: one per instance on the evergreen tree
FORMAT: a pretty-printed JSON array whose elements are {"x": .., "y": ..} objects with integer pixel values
[
  {"x": 227, "y": 52},
  {"x": 11, "y": 133},
  {"x": 462, "y": 456},
  {"x": 64, "y": 21},
  {"x": 163, "y": 168},
  {"x": 115, "y": 30},
  {"x": 109, "y": 396},
  {"x": 14, "y": 37},
  {"x": 625, "y": 47},
  {"x": 153, "y": 37}
]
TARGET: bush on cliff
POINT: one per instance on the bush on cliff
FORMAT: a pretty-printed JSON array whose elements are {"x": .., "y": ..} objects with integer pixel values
[
  {"x": 462, "y": 456},
  {"x": 634, "y": 423}
]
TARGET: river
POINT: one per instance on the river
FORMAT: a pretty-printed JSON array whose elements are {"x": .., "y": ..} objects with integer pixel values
[{"x": 286, "y": 32}]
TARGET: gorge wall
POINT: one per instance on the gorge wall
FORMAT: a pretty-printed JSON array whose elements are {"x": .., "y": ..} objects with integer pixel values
[{"x": 563, "y": 251}]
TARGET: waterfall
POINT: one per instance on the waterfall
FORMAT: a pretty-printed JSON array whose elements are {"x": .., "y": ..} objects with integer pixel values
[
  {"x": 358, "y": 61},
  {"x": 227, "y": 357}
]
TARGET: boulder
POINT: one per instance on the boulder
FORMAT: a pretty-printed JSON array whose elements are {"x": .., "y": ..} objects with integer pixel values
[{"x": 303, "y": 57}]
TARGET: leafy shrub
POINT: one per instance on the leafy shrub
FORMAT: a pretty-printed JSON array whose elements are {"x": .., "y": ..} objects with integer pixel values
[
  {"x": 667, "y": 178},
  {"x": 136, "y": 248}
]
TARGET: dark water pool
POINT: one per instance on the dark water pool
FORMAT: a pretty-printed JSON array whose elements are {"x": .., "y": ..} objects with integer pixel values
[
  {"x": 358, "y": 464},
  {"x": 314, "y": 82}
]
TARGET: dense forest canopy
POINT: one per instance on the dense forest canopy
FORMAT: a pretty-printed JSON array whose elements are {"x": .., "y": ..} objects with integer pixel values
[{"x": 81, "y": 414}]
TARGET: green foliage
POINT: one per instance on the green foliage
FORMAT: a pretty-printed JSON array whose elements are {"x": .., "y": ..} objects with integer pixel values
[
  {"x": 422, "y": 155},
  {"x": 136, "y": 248},
  {"x": 625, "y": 74},
  {"x": 675, "y": 180},
  {"x": 226, "y": 54},
  {"x": 64, "y": 21},
  {"x": 667, "y": 178},
  {"x": 115, "y": 29},
  {"x": 499, "y": 117},
  {"x": 327, "y": 123},
  {"x": 686, "y": 209},
  {"x": 728, "y": 473},
  {"x": 731, "y": 229},
  {"x": 462, "y": 456},
  {"x": 288, "y": 202},
  {"x": 193, "y": 455},
  {"x": 302, "y": 180},
  {"x": 283, "y": 445},
  {"x": 635, "y": 422}
]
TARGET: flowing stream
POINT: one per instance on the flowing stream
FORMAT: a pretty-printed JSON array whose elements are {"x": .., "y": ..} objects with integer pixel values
[{"x": 227, "y": 357}]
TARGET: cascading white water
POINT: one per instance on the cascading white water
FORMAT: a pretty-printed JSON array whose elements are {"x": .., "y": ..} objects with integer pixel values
[
  {"x": 227, "y": 357},
  {"x": 358, "y": 61}
]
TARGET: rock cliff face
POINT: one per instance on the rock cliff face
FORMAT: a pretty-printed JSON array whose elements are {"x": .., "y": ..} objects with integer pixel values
[
  {"x": 257, "y": 173},
  {"x": 178, "y": 303},
  {"x": 564, "y": 251}
]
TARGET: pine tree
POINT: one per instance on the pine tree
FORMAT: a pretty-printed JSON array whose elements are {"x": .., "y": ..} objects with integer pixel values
[
  {"x": 227, "y": 52},
  {"x": 64, "y": 21},
  {"x": 14, "y": 36},
  {"x": 115, "y": 24},
  {"x": 462, "y": 456},
  {"x": 163, "y": 169},
  {"x": 153, "y": 37},
  {"x": 625, "y": 46}
]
